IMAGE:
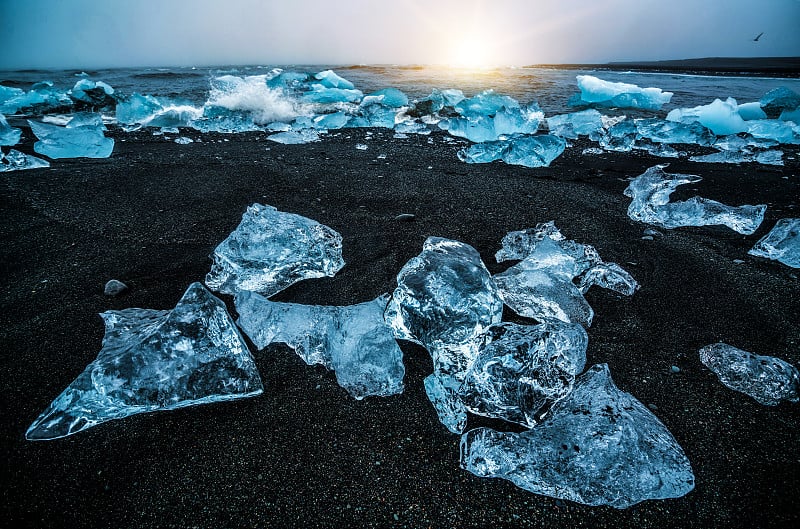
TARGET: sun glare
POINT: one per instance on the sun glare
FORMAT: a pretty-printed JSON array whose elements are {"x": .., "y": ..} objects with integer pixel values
[{"x": 471, "y": 53}]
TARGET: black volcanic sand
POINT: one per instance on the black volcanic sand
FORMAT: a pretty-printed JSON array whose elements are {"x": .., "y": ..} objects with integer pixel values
[{"x": 305, "y": 454}]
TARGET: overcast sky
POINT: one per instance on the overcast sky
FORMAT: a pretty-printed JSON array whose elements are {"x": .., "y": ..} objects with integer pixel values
[{"x": 107, "y": 33}]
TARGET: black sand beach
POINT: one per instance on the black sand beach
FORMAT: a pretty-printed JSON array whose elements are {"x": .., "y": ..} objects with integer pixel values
[{"x": 305, "y": 454}]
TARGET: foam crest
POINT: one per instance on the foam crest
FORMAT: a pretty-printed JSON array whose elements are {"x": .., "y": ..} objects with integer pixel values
[{"x": 251, "y": 95}]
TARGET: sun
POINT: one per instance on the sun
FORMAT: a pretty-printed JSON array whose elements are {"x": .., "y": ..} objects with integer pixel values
[{"x": 471, "y": 53}]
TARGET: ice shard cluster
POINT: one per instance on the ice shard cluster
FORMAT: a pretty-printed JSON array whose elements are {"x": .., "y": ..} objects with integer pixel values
[
  {"x": 518, "y": 149},
  {"x": 156, "y": 360},
  {"x": 596, "y": 446},
  {"x": 650, "y": 204},
  {"x": 354, "y": 341},
  {"x": 542, "y": 285},
  {"x": 597, "y": 92},
  {"x": 767, "y": 379},
  {"x": 271, "y": 250},
  {"x": 16, "y": 161},
  {"x": 782, "y": 243},
  {"x": 82, "y": 141}
]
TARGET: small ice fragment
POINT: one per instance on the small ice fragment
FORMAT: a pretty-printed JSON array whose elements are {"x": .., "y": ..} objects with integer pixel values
[
  {"x": 183, "y": 140},
  {"x": 650, "y": 192},
  {"x": 16, "y": 161},
  {"x": 521, "y": 370},
  {"x": 782, "y": 243},
  {"x": 156, "y": 360},
  {"x": 8, "y": 134},
  {"x": 442, "y": 392},
  {"x": 610, "y": 276},
  {"x": 271, "y": 250},
  {"x": 620, "y": 95},
  {"x": 353, "y": 340},
  {"x": 295, "y": 137},
  {"x": 765, "y": 378},
  {"x": 114, "y": 287},
  {"x": 361, "y": 146},
  {"x": 592, "y": 151},
  {"x": 85, "y": 141},
  {"x": 405, "y": 217},
  {"x": 596, "y": 446}
]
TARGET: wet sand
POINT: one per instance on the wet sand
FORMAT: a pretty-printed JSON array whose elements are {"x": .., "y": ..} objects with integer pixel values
[{"x": 305, "y": 454}]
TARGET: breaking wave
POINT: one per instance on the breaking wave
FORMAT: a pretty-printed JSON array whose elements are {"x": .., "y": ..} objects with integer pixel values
[{"x": 251, "y": 95}]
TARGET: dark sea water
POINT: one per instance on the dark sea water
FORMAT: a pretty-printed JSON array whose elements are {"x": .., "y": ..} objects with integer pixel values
[{"x": 550, "y": 87}]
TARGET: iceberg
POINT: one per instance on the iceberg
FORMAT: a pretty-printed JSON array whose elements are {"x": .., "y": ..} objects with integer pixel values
[
  {"x": 354, "y": 340},
  {"x": 541, "y": 286},
  {"x": 16, "y": 161},
  {"x": 8, "y": 134},
  {"x": 602, "y": 93},
  {"x": 519, "y": 149},
  {"x": 583, "y": 123},
  {"x": 271, "y": 250},
  {"x": 782, "y": 243},
  {"x": 650, "y": 192},
  {"x": 521, "y": 370},
  {"x": 156, "y": 360},
  {"x": 767, "y": 379},
  {"x": 721, "y": 117},
  {"x": 86, "y": 141},
  {"x": 597, "y": 446},
  {"x": 779, "y": 100}
]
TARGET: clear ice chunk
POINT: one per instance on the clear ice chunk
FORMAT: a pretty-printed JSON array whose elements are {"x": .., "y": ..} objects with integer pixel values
[
  {"x": 767, "y": 379},
  {"x": 8, "y": 134},
  {"x": 93, "y": 93},
  {"x": 295, "y": 137},
  {"x": 445, "y": 299},
  {"x": 271, "y": 250},
  {"x": 576, "y": 124},
  {"x": 519, "y": 149},
  {"x": 765, "y": 157},
  {"x": 323, "y": 94},
  {"x": 775, "y": 130},
  {"x": 620, "y": 137},
  {"x": 779, "y": 100},
  {"x": 721, "y": 117},
  {"x": 650, "y": 192},
  {"x": 782, "y": 243},
  {"x": 597, "y": 446},
  {"x": 522, "y": 370},
  {"x": 85, "y": 141},
  {"x": 17, "y": 161},
  {"x": 620, "y": 95},
  {"x": 390, "y": 97},
  {"x": 354, "y": 341},
  {"x": 610, "y": 276},
  {"x": 156, "y": 360},
  {"x": 751, "y": 111},
  {"x": 662, "y": 131},
  {"x": 335, "y": 120},
  {"x": 330, "y": 79}
]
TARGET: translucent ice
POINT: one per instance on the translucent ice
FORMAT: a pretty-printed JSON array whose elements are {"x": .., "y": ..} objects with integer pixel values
[
  {"x": 764, "y": 157},
  {"x": 16, "y": 161},
  {"x": 650, "y": 192},
  {"x": 323, "y": 94},
  {"x": 782, "y": 243},
  {"x": 519, "y": 149},
  {"x": 445, "y": 299},
  {"x": 85, "y": 141},
  {"x": 767, "y": 379},
  {"x": 330, "y": 79},
  {"x": 295, "y": 137},
  {"x": 271, "y": 250},
  {"x": 156, "y": 360},
  {"x": 354, "y": 340},
  {"x": 620, "y": 95},
  {"x": 597, "y": 446},
  {"x": 721, "y": 117},
  {"x": 8, "y": 134},
  {"x": 620, "y": 137},
  {"x": 93, "y": 93},
  {"x": 335, "y": 120},
  {"x": 778, "y": 100},
  {"x": 576, "y": 124},
  {"x": 390, "y": 97},
  {"x": 773, "y": 129},
  {"x": 750, "y": 111},
  {"x": 489, "y": 116},
  {"x": 663, "y": 131},
  {"x": 522, "y": 370},
  {"x": 42, "y": 97}
]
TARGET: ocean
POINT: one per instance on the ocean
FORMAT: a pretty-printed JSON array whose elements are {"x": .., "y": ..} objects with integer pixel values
[{"x": 551, "y": 88}]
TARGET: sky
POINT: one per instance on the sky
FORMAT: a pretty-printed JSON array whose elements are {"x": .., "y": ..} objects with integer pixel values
[{"x": 131, "y": 33}]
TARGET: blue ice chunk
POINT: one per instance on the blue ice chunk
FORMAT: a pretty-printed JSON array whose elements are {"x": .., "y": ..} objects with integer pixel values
[
  {"x": 486, "y": 103},
  {"x": 771, "y": 157},
  {"x": 8, "y": 134},
  {"x": 412, "y": 127},
  {"x": 42, "y": 97},
  {"x": 662, "y": 131},
  {"x": 598, "y": 92},
  {"x": 85, "y": 141},
  {"x": 391, "y": 97},
  {"x": 721, "y": 117},
  {"x": 519, "y": 149},
  {"x": 782, "y": 243},
  {"x": 330, "y": 79},
  {"x": 767, "y": 379},
  {"x": 489, "y": 116},
  {"x": 485, "y": 152},
  {"x": 650, "y": 192},
  {"x": 779, "y": 100},
  {"x": 354, "y": 341},
  {"x": 137, "y": 108},
  {"x": 17, "y": 161},
  {"x": 9, "y": 99},
  {"x": 776, "y": 130},
  {"x": 445, "y": 299},
  {"x": 322, "y": 94},
  {"x": 442, "y": 391},
  {"x": 271, "y": 250},
  {"x": 86, "y": 119},
  {"x": 791, "y": 115},
  {"x": 156, "y": 360},
  {"x": 522, "y": 370},
  {"x": 377, "y": 114},
  {"x": 576, "y": 124},
  {"x": 751, "y": 111},
  {"x": 288, "y": 80},
  {"x": 333, "y": 121},
  {"x": 597, "y": 446},
  {"x": 94, "y": 93},
  {"x": 620, "y": 137},
  {"x": 295, "y": 137}
]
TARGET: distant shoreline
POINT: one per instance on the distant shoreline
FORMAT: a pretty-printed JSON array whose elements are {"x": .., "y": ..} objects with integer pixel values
[{"x": 777, "y": 66}]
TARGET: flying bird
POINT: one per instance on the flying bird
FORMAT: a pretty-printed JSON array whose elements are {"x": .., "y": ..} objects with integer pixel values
[{"x": 758, "y": 37}]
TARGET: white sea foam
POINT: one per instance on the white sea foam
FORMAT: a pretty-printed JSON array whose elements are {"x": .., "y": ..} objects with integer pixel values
[{"x": 251, "y": 95}]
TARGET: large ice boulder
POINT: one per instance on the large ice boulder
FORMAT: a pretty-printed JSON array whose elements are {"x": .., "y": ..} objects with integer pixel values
[
  {"x": 84, "y": 141},
  {"x": 595, "y": 91}
]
